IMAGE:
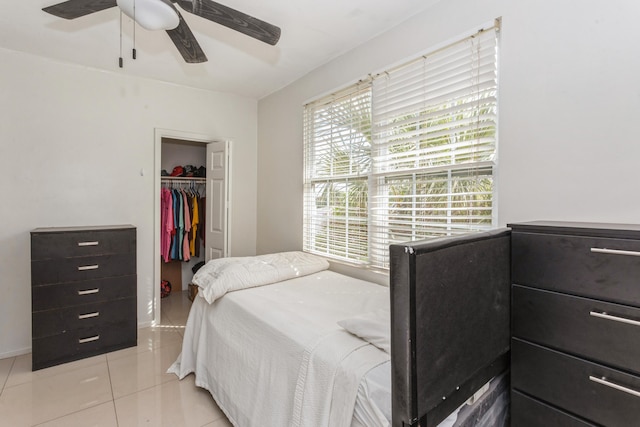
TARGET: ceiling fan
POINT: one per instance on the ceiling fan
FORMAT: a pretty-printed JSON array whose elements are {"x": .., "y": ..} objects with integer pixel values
[{"x": 163, "y": 15}]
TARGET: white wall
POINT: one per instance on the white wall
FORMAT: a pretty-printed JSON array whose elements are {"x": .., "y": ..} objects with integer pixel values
[
  {"x": 569, "y": 100},
  {"x": 73, "y": 142}
]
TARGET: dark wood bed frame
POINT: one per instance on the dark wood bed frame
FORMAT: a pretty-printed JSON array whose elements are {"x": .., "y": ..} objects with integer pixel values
[{"x": 450, "y": 309}]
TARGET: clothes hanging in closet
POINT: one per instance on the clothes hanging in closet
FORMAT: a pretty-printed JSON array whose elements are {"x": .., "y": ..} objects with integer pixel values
[{"x": 182, "y": 223}]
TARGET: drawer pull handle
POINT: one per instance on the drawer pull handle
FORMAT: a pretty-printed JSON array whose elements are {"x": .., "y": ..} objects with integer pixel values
[
  {"x": 614, "y": 251},
  {"x": 90, "y": 339},
  {"x": 614, "y": 318},
  {"x": 88, "y": 243},
  {"x": 89, "y": 291},
  {"x": 608, "y": 383},
  {"x": 88, "y": 315},
  {"x": 88, "y": 267}
]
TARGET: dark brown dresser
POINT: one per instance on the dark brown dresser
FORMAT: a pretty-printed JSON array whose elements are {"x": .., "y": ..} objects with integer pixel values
[
  {"x": 83, "y": 292},
  {"x": 575, "y": 324}
]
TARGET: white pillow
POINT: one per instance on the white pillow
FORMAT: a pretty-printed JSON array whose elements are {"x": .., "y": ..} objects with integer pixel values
[
  {"x": 373, "y": 327},
  {"x": 219, "y": 276}
]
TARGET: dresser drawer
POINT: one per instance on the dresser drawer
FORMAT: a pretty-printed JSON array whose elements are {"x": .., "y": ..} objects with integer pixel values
[
  {"x": 604, "y": 332},
  {"x": 62, "y": 295},
  {"x": 529, "y": 412},
  {"x": 576, "y": 385},
  {"x": 81, "y": 269},
  {"x": 81, "y": 243},
  {"x": 53, "y": 322},
  {"x": 594, "y": 267},
  {"x": 81, "y": 343}
]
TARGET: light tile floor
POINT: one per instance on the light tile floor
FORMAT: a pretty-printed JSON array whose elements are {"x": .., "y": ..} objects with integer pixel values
[{"x": 129, "y": 387}]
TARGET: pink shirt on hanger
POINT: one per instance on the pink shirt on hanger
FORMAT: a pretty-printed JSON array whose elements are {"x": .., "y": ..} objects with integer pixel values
[{"x": 166, "y": 223}]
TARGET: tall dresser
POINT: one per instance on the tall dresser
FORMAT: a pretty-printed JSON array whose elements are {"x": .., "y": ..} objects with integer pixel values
[
  {"x": 83, "y": 292},
  {"x": 575, "y": 324}
]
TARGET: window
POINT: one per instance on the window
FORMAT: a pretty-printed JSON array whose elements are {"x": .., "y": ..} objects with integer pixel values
[
  {"x": 337, "y": 168},
  {"x": 406, "y": 155}
]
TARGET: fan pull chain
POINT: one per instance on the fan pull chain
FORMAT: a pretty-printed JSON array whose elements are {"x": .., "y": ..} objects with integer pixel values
[
  {"x": 133, "y": 51},
  {"x": 120, "y": 62}
]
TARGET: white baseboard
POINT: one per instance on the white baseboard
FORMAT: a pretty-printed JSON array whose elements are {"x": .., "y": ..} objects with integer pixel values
[
  {"x": 145, "y": 324},
  {"x": 15, "y": 353}
]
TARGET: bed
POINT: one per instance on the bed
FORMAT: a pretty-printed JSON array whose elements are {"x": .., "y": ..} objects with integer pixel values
[
  {"x": 283, "y": 341},
  {"x": 450, "y": 317}
]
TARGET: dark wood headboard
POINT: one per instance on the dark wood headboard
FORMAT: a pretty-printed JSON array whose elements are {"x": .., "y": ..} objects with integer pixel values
[{"x": 450, "y": 309}]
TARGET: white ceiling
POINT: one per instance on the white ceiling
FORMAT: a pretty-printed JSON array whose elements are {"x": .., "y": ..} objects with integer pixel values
[{"x": 313, "y": 33}]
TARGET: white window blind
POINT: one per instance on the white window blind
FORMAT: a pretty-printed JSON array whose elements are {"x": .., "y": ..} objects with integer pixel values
[
  {"x": 434, "y": 145},
  {"x": 410, "y": 157},
  {"x": 337, "y": 146}
]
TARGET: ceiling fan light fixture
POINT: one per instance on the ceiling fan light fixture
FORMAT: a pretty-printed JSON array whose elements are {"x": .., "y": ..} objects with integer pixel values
[
  {"x": 163, "y": 15},
  {"x": 151, "y": 14}
]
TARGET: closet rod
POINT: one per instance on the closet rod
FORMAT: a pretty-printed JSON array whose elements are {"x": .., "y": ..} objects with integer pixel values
[{"x": 196, "y": 180}]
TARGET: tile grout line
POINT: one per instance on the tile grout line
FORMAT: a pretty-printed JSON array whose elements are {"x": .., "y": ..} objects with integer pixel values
[
  {"x": 77, "y": 411},
  {"x": 113, "y": 400},
  {"x": 4, "y": 383}
]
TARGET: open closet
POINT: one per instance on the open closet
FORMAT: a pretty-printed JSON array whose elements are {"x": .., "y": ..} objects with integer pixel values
[
  {"x": 180, "y": 194},
  {"x": 193, "y": 207}
]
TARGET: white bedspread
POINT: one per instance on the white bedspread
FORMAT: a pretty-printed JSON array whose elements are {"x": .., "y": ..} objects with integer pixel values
[{"x": 275, "y": 356}]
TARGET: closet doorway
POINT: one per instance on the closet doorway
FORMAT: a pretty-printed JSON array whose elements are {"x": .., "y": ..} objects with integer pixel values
[{"x": 192, "y": 169}]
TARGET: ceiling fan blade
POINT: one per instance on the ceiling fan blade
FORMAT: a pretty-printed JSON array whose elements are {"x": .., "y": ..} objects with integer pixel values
[
  {"x": 186, "y": 42},
  {"x": 233, "y": 19},
  {"x": 72, "y": 9}
]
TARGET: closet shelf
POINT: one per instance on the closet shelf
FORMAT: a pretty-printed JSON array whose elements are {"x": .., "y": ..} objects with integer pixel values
[{"x": 183, "y": 178}]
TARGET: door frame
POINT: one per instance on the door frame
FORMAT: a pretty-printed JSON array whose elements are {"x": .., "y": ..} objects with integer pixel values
[{"x": 159, "y": 134}]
